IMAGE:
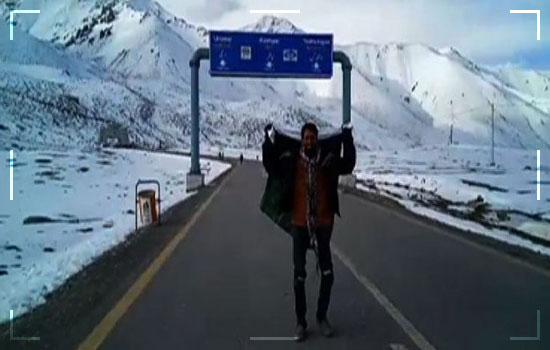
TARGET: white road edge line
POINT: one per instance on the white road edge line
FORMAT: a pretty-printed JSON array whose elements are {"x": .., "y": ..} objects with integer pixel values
[
  {"x": 538, "y": 175},
  {"x": 401, "y": 320},
  {"x": 11, "y": 175}
]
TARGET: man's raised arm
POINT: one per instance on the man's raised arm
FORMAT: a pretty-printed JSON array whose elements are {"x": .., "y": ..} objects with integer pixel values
[
  {"x": 347, "y": 161},
  {"x": 269, "y": 154}
]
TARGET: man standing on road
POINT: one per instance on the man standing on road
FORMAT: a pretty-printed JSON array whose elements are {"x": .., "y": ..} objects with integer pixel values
[{"x": 308, "y": 176}]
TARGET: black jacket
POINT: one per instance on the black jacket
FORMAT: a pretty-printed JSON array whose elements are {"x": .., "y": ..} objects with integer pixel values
[{"x": 279, "y": 160}]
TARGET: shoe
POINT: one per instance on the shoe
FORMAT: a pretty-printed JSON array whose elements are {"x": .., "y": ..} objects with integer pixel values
[
  {"x": 326, "y": 328},
  {"x": 300, "y": 332}
]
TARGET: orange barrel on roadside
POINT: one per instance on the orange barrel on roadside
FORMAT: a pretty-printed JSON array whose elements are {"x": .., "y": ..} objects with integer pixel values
[{"x": 148, "y": 207}]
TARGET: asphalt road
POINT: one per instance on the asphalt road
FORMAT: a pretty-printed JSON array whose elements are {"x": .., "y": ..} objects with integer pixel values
[{"x": 398, "y": 282}]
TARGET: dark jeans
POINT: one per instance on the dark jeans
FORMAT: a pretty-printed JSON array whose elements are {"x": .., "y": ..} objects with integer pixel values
[{"x": 300, "y": 247}]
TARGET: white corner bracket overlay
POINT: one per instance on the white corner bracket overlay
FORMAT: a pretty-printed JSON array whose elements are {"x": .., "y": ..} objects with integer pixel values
[
  {"x": 11, "y": 175},
  {"x": 537, "y": 12},
  {"x": 538, "y": 175},
  {"x": 13, "y": 12}
]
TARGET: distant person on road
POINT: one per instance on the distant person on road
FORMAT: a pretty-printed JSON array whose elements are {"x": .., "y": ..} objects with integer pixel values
[
  {"x": 241, "y": 158},
  {"x": 303, "y": 198}
]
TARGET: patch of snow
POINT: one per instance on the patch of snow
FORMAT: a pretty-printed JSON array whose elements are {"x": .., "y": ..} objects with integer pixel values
[
  {"x": 446, "y": 181},
  {"x": 69, "y": 207}
]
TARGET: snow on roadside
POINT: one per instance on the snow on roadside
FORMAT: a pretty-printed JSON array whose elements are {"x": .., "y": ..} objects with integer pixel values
[
  {"x": 458, "y": 186},
  {"x": 68, "y": 208},
  {"x": 498, "y": 234}
]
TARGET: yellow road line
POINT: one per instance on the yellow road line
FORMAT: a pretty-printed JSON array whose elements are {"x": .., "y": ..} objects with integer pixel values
[{"x": 108, "y": 323}]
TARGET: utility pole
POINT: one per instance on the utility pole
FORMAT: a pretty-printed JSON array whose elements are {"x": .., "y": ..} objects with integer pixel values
[
  {"x": 492, "y": 134},
  {"x": 452, "y": 122}
]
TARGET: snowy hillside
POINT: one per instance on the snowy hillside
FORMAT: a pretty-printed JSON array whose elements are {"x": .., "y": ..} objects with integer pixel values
[
  {"x": 44, "y": 244},
  {"x": 272, "y": 24},
  {"x": 62, "y": 103},
  {"x": 444, "y": 88},
  {"x": 458, "y": 186},
  {"x": 83, "y": 66},
  {"x": 139, "y": 83}
]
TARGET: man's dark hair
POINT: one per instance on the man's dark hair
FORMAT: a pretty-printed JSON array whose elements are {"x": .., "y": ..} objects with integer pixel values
[{"x": 311, "y": 127}]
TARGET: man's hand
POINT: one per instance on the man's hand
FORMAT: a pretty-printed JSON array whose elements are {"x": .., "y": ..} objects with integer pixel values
[
  {"x": 346, "y": 131},
  {"x": 269, "y": 133},
  {"x": 267, "y": 128}
]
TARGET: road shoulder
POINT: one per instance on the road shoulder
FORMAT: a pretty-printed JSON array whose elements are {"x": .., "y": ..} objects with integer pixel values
[
  {"x": 74, "y": 308},
  {"x": 517, "y": 254}
]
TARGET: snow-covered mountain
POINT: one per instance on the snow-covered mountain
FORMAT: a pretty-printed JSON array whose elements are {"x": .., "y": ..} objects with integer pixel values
[
  {"x": 455, "y": 91},
  {"x": 272, "y": 24},
  {"x": 86, "y": 65}
]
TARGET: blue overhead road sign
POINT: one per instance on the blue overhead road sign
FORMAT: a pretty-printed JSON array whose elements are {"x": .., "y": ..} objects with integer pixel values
[{"x": 246, "y": 54}]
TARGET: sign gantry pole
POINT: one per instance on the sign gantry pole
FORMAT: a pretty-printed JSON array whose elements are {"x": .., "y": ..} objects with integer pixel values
[
  {"x": 195, "y": 64},
  {"x": 345, "y": 62},
  {"x": 263, "y": 55}
]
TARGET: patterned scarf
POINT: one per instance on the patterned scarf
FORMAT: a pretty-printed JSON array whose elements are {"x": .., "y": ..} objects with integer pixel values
[{"x": 311, "y": 167}]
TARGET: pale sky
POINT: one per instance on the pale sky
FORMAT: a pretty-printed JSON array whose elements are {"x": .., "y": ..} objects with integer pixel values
[{"x": 483, "y": 30}]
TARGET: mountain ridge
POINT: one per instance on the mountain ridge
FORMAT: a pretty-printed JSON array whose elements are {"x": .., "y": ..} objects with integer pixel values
[{"x": 133, "y": 55}]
